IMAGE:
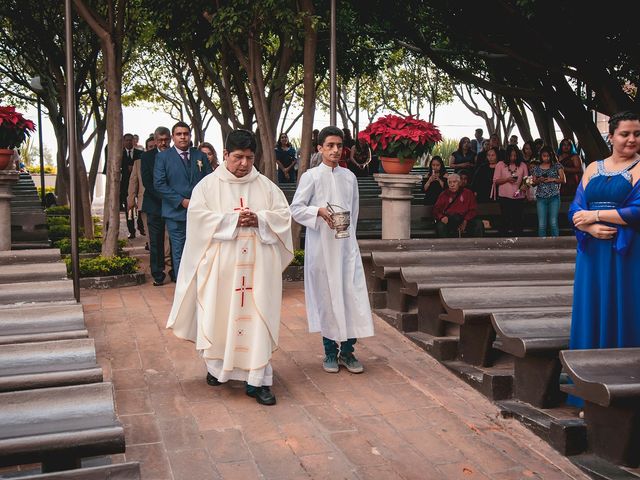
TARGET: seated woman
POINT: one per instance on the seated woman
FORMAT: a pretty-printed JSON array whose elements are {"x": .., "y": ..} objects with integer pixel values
[
  {"x": 463, "y": 158},
  {"x": 360, "y": 159},
  {"x": 435, "y": 182},
  {"x": 455, "y": 211}
]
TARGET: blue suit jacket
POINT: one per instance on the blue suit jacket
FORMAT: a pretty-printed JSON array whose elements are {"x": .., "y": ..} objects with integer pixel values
[{"x": 174, "y": 183}]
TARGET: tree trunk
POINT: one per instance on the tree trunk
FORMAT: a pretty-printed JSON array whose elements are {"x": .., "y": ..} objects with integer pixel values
[
  {"x": 542, "y": 122},
  {"x": 111, "y": 214},
  {"x": 520, "y": 117},
  {"x": 579, "y": 120},
  {"x": 309, "y": 98},
  {"x": 95, "y": 160},
  {"x": 565, "y": 128},
  {"x": 256, "y": 84}
]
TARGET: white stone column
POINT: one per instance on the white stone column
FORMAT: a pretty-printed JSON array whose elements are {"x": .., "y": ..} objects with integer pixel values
[
  {"x": 396, "y": 204},
  {"x": 7, "y": 178}
]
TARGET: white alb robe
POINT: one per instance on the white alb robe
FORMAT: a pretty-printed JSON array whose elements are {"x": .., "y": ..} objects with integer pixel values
[
  {"x": 229, "y": 287},
  {"x": 335, "y": 288}
]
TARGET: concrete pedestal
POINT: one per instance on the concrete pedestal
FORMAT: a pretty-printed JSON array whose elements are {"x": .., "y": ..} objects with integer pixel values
[
  {"x": 396, "y": 204},
  {"x": 7, "y": 178}
]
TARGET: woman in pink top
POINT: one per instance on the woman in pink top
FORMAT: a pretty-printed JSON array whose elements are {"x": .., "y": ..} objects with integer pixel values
[{"x": 507, "y": 179}]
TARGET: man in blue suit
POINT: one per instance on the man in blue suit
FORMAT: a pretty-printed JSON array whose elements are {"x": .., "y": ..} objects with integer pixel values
[
  {"x": 176, "y": 171},
  {"x": 152, "y": 206}
]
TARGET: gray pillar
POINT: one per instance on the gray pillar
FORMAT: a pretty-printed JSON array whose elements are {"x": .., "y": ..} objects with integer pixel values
[
  {"x": 396, "y": 204},
  {"x": 7, "y": 178}
]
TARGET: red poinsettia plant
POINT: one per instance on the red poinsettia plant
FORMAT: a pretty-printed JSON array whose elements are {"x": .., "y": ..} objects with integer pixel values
[
  {"x": 14, "y": 128},
  {"x": 400, "y": 137}
]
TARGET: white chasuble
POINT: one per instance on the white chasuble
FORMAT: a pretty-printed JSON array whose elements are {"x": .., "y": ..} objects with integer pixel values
[
  {"x": 229, "y": 288},
  {"x": 336, "y": 294}
]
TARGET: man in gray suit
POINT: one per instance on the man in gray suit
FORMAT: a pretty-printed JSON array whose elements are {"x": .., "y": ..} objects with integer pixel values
[{"x": 152, "y": 207}]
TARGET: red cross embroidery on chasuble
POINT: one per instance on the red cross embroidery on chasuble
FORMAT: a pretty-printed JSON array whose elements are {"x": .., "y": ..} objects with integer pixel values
[
  {"x": 242, "y": 205},
  {"x": 243, "y": 288}
]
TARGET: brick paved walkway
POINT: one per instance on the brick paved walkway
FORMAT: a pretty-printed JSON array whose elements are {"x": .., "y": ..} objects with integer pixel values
[{"x": 406, "y": 417}]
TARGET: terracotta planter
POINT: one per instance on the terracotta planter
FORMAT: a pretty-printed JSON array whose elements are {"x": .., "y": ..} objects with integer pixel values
[
  {"x": 5, "y": 157},
  {"x": 397, "y": 166}
]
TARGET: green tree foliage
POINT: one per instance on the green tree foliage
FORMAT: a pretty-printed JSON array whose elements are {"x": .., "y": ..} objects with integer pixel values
[{"x": 562, "y": 58}]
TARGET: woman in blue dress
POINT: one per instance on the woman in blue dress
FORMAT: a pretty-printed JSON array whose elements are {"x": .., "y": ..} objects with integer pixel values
[{"x": 606, "y": 215}]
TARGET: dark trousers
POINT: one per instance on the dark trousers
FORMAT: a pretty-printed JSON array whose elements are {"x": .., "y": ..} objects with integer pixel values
[
  {"x": 177, "y": 236},
  {"x": 512, "y": 212},
  {"x": 156, "y": 245},
  {"x": 131, "y": 223},
  {"x": 475, "y": 228},
  {"x": 331, "y": 346}
]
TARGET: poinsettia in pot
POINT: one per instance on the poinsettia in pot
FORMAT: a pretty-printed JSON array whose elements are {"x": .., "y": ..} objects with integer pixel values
[
  {"x": 14, "y": 129},
  {"x": 398, "y": 141}
]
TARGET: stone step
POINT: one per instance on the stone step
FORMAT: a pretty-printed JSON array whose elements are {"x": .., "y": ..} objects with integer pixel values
[
  {"x": 33, "y": 272},
  {"x": 36, "y": 292},
  {"x": 30, "y": 245},
  {"x": 47, "y": 255},
  {"x": 41, "y": 323}
]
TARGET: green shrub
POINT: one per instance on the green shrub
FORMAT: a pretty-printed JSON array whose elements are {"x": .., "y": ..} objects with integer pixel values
[
  {"x": 104, "y": 266},
  {"x": 48, "y": 169},
  {"x": 87, "y": 245},
  {"x": 58, "y": 210},
  {"x": 445, "y": 148},
  {"x": 298, "y": 258},
  {"x": 58, "y": 220},
  {"x": 58, "y": 232}
]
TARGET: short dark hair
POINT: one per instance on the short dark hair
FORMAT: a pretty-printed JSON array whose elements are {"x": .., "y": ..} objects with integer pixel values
[
  {"x": 150, "y": 139},
  {"x": 615, "y": 120},
  {"x": 240, "y": 140},
  {"x": 128, "y": 135},
  {"x": 180, "y": 125},
  {"x": 328, "y": 132}
]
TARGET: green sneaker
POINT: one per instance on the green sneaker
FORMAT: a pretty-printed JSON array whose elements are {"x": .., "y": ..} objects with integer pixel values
[
  {"x": 351, "y": 363},
  {"x": 330, "y": 363}
]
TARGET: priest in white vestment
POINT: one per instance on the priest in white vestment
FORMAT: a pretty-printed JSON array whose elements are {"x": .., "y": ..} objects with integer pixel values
[
  {"x": 334, "y": 283},
  {"x": 229, "y": 288}
]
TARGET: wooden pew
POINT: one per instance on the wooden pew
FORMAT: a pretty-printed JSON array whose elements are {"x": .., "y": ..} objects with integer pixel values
[
  {"x": 25, "y": 366},
  {"x": 609, "y": 382},
  {"x": 471, "y": 308},
  {"x": 387, "y": 265},
  {"x": 534, "y": 340},
  {"x": 118, "y": 471},
  {"x": 29, "y": 323},
  {"x": 421, "y": 285},
  {"x": 59, "y": 426}
]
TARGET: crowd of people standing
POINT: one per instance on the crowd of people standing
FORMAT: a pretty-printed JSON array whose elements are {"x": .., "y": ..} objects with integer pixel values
[{"x": 511, "y": 176}]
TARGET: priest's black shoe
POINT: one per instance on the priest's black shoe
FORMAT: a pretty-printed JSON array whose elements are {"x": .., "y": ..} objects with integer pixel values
[
  {"x": 262, "y": 395},
  {"x": 213, "y": 381}
]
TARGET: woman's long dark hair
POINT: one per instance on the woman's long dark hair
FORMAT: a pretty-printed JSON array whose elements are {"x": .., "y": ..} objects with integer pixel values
[
  {"x": 507, "y": 157},
  {"x": 438, "y": 158}
]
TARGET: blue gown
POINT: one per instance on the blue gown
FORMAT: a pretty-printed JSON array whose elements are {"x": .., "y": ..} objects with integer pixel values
[{"x": 606, "y": 297}]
